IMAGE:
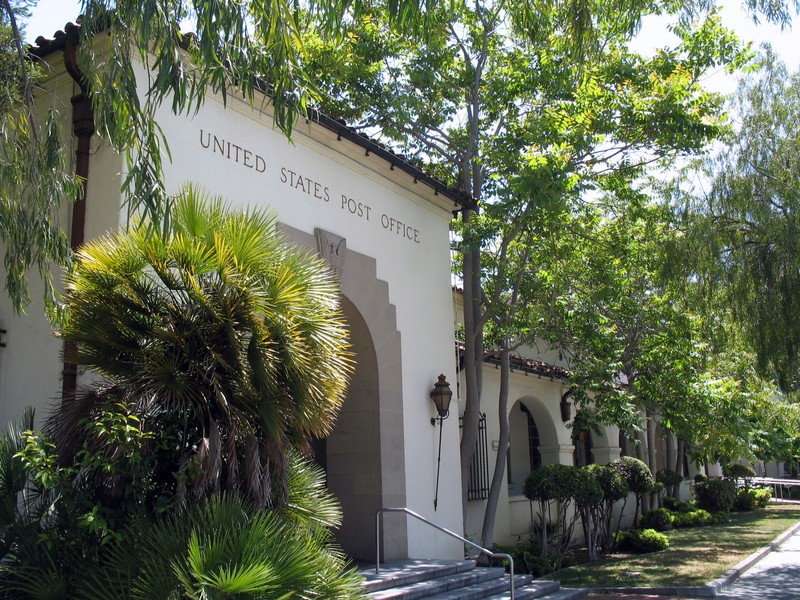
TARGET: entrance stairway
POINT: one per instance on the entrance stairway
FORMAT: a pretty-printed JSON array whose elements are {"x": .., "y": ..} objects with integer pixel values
[{"x": 455, "y": 580}]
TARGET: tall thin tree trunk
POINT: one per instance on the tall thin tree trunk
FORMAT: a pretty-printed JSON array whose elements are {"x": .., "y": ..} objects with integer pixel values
[
  {"x": 487, "y": 534},
  {"x": 473, "y": 361},
  {"x": 649, "y": 499}
]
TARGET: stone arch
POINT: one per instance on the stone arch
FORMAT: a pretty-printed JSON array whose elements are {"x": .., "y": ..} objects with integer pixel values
[{"x": 365, "y": 454}]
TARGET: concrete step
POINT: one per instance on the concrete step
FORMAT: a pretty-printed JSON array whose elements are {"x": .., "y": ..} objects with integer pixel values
[
  {"x": 406, "y": 572},
  {"x": 455, "y": 580},
  {"x": 484, "y": 589},
  {"x": 477, "y": 578},
  {"x": 534, "y": 591}
]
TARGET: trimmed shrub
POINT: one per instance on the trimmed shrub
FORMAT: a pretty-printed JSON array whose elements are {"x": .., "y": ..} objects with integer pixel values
[
  {"x": 715, "y": 495},
  {"x": 700, "y": 478},
  {"x": 648, "y": 540},
  {"x": 636, "y": 474},
  {"x": 640, "y": 540},
  {"x": 527, "y": 555},
  {"x": 550, "y": 482},
  {"x": 611, "y": 481},
  {"x": 692, "y": 518},
  {"x": 659, "y": 519},
  {"x": 586, "y": 490},
  {"x": 763, "y": 496},
  {"x": 749, "y": 500}
]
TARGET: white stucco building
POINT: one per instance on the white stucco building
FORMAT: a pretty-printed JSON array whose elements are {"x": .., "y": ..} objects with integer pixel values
[{"x": 383, "y": 226}]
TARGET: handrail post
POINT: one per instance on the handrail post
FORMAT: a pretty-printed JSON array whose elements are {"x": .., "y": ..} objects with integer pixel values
[
  {"x": 378, "y": 542},
  {"x": 411, "y": 513}
]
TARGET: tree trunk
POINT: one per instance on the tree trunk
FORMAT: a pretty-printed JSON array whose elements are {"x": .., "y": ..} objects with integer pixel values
[
  {"x": 487, "y": 535},
  {"x": 650, "y": 499},
  {"x": 473, "y": 361},
  {"x": 670, "y": 458},
  {"x": 642, "y": 500}
]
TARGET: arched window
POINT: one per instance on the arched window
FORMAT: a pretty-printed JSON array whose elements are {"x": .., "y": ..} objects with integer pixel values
[
  {"x": 534, "y": 456},
  {"x": 523, "y": 453}
]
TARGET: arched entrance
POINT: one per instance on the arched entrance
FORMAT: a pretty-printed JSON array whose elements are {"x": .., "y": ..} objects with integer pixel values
[
  {"x": 532, "y": 436},
  {"x": 364, "y": 457},
  {"x": 351, "y": 454}
]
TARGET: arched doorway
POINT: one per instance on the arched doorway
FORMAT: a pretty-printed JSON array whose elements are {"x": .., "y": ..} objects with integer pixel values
[
  {"x": 351, "y": 455},
  {"x": 364, "y": 457}
]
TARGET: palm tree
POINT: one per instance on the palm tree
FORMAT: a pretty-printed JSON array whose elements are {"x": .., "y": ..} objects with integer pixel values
[{"x": 219, "y": 339}]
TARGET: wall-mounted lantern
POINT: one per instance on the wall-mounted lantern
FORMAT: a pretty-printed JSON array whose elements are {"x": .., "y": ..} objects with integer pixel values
[
  {"x": 566, "y": 406},
  {"x": 441, "y": 394}
]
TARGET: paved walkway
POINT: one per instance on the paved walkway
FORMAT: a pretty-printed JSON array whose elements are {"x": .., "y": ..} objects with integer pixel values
[{"x": 774, "y": 577}]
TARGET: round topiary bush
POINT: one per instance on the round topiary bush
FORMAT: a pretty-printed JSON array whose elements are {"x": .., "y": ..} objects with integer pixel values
[
  {"x": 550, "y": 482},
  {"x": 640, "y": 540},
  {"x": 737, "y": 471},
  {"x": 636, "y": 474},
  {"x": 611, "y": 481},
  {"x": 587, "y": 490}
]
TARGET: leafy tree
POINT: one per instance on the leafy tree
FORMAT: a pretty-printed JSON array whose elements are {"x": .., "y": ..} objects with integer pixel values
[
  {"x": 747, "y": 222},
  {"x": 614, "y": 488},
  {"x": 526, "y": 121},
  {"x": 638, "y": 477},
  {"x": 553, "y": 487}
]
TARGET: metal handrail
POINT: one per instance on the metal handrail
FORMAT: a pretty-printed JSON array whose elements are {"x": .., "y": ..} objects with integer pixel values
[{"x": 411, "y": 513}]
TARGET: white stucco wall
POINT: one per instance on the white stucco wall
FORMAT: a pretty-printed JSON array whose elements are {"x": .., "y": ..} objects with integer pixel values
[
  {"x": 30, "y": 364},
  {"x": 382, "y": 213}
]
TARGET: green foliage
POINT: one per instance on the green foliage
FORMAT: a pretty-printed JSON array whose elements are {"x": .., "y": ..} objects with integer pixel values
[
  {"x": 221, "y": 337},
  {"x": 738, "y": 471},
  {"x": 641, "y": 540},
  {"x": 551, "y": 482},
  {"x": 648, "y": 540},
  {"x": 223, "y": 547},
  {"x": 659, "y": 519},
  {"x": 692, "y": 518},
  {"x": 675, "y": 505},
  {"x": 751, "y": 499},
  {"x": 668, "y": 477},
  {"x": 715, "y": 495},
  {"x": 527, "y": 555},
  {"x": 220, "y": 546},
  {"x": 743, "y": 233}
]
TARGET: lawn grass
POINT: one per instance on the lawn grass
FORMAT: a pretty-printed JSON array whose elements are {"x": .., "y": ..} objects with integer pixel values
[{"x": 696, "y": 556}]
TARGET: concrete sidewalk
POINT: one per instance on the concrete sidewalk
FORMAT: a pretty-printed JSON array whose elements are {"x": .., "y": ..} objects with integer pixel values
[{"x": 774, "y": 577}]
